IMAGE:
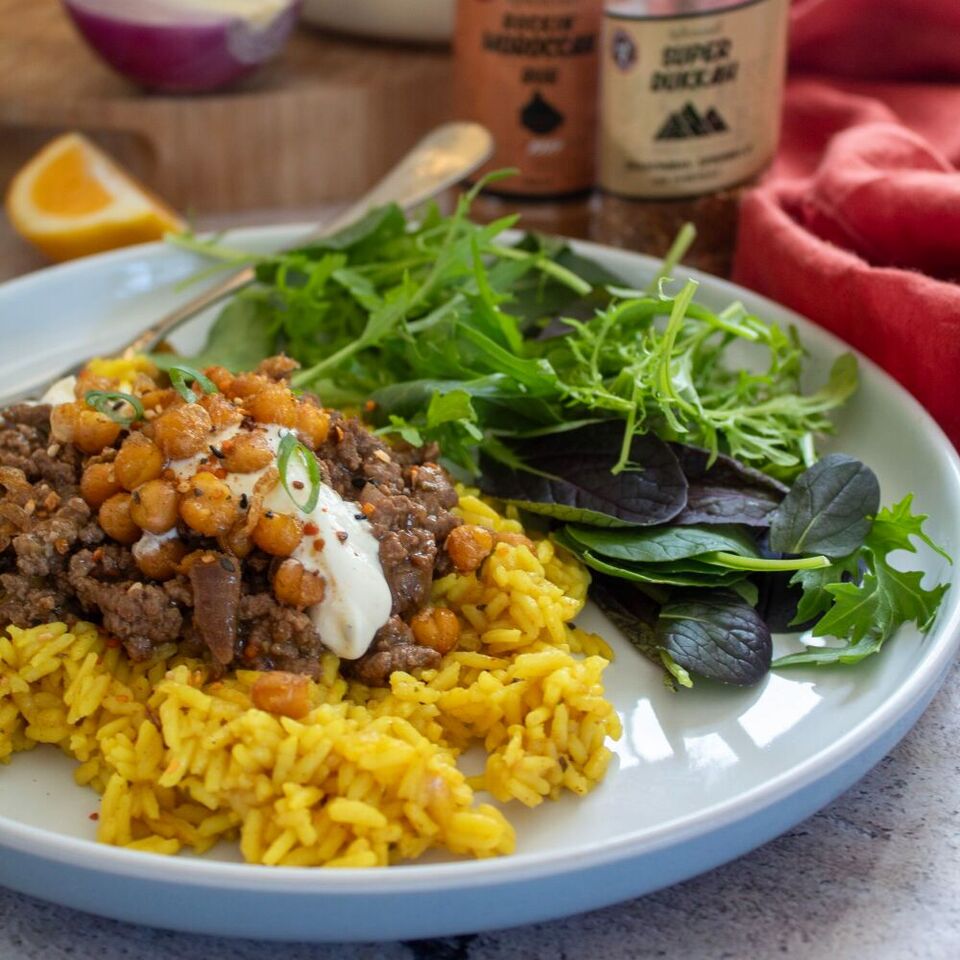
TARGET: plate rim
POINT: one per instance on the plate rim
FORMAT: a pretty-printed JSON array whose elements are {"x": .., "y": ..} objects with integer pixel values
[{"x": 419, "y": 877}]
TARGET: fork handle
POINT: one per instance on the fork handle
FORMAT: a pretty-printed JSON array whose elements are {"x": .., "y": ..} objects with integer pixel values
[{"x": 147, "y": 340}]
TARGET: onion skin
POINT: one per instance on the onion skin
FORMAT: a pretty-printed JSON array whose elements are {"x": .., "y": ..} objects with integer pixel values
[{"x": 194, "y": 55}]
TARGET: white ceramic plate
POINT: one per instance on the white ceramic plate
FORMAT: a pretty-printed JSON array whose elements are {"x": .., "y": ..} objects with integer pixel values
[{"x": 700, "y": 777}]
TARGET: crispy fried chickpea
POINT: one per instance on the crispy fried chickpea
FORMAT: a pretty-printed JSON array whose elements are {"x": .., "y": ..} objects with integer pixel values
[
  {"x": 222, "y": 377},
  {"x": 159, "y": 399},
  {"x": 296, "y": 586},
  {"x": 222, "y": 412},
  {"x": 278, "y": 534},
  {"x": 468, "y": 546},
  {"x": 183, "y": 431},
  {"x": 87, "y": 381},
  {"x": 209, "y": 506},
  {"x": 247, "y": 384},
  {"x": 63, "y": 421},
  {"x": 279, "y": 692},
  {"x": 313, "y": 425},
  {"x": 154, "y": 506},
  {"x": 246, "y": 453},
  {"x": 94, "y": 431},
  {"x": 437, "y": 628},
  {"x": 98, "y": 484},
  {"x": 195, "y": 556},
  {"x": 114, "y": 517},
  {"x": 87, "y": 429},
  {"x": 274, "y": 404},
  {"x": 143, "y": 383},
  {"x": 237, "y": 540},
  {"x": 138, "y": 461},
  {"x": 161, "y": 561}
]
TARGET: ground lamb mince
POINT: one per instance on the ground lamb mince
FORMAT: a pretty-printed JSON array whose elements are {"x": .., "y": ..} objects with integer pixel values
[{"x": 56, "y": 562}]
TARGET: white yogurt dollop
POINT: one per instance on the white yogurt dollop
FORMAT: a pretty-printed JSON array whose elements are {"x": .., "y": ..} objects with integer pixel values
[{"x": 357, "y": 599}]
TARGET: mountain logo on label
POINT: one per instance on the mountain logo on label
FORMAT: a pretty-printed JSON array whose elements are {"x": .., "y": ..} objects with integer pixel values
[
  {"x": 689, "y": 122},
  {"x": 540, "y": 116}
]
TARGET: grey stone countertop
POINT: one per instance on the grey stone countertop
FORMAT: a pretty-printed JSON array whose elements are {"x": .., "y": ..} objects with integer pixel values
[{"x": 874, "y": 875}]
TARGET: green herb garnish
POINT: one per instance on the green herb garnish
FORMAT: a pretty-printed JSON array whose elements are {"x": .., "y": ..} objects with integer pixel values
[
  {"x": 291, "y": 447},
  {"x": 181, "y": 375},
  {"x": 112, "y": 403}
]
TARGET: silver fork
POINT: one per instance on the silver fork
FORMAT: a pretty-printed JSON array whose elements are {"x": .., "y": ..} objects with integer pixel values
[{"x": 443, "y": 158}]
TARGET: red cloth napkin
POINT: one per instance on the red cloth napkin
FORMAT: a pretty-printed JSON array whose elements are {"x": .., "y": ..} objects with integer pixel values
[{"x": 857, "y": 224}]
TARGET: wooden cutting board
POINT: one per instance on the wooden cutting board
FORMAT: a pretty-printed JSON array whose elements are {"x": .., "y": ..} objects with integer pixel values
[{"x": 320, "y": 124}]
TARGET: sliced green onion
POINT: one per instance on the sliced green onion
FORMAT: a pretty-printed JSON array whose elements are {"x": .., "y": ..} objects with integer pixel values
[
  {"x": 180, "y": 375},
  {"x": 111, "y": 404},
  {"x": 290, "y": 446}
]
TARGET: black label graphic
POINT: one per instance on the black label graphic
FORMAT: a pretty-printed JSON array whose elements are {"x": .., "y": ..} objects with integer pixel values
[
  {"x": 689, "y": 122},
  {"x": 539, "y": 116}
]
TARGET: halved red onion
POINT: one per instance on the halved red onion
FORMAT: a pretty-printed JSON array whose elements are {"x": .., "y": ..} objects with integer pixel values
[{"x": 185, "y": 46}]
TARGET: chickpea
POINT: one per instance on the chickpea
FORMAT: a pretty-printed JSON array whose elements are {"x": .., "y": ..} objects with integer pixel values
[
  {"x": 222, "y": 377},
  {"x": 209, "y": 507},
  {"x": 114, "y": 517},
  {"x": 159, "y": 399},
  {"x": 154, "y": 506},
  {"x": 246, "y": 453},
  {"x": 162, "y": 560},
  {"x": 94, "y": 431},
  {"x": 437, "y": 628},
  {"x": 87, "y": 381},
  {"x": 468, "y": 546},
  {"x": 279, "y": 692},
  {"x": 313, "y": 425},
  {"x": 278, "y": 534},
  {"x": 63, "y": 421},
  {"x": 195, "y": 556},
  {"x": 247, "y": 384},
  {"x": 98, "y": 484},
  {"x": 274, "y": 404},
  {"x": 222, "y": 412},
  {"x": 296, "y": 586},
  {"x": 143, "y": 383},
  {"x": 138, "y": 461},
  {"x": 237, "y": 540},
  {"x": 183, "y": 431}
]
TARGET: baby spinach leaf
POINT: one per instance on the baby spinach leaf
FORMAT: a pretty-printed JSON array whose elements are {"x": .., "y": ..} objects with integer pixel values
[
  {"x": 828, "y": 509},
  {"x": 244, "y": 333},
  {"x": 652, "y": 573},
  {"x": 635, "y": 615},
  {"x": 716, "y": 635},
  {"x": 726, "y": 490},
  {"x": 567, "y": 475},
  {"x": 664, "y": 543}
]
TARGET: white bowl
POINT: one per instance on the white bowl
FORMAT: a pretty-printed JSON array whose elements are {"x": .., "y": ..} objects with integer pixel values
[{"x": 425, "y": 21}]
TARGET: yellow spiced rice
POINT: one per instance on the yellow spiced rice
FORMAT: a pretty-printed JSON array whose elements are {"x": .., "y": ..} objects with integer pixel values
[{"x": 369, "y": 776}]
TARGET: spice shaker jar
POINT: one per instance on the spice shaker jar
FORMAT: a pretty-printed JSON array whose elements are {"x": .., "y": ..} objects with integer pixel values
[
  {"x": 690, "y": 115},
  {"x": 527, "y": 70}
]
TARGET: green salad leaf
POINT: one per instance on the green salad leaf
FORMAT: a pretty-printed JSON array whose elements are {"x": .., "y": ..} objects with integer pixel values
[{"x": 862, "y": 597}]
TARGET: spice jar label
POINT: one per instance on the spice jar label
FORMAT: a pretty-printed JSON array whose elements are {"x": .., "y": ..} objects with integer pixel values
[
  {"x": 527, "y": 69},
  {"x": 690, "y": 103}
]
